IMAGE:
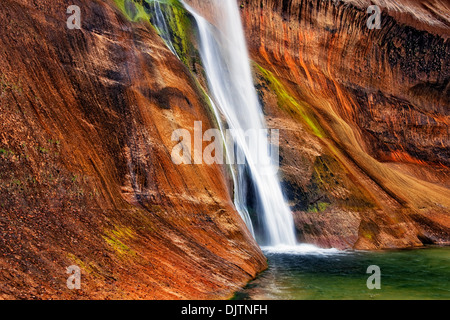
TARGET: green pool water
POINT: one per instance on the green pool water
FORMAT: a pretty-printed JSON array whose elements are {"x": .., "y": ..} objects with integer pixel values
[{"x": 330, "y": 274}]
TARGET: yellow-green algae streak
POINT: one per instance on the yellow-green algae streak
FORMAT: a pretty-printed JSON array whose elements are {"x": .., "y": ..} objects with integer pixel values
[
  {"x": 289, "y": 103},
  {"x": 178, "y": 22}
]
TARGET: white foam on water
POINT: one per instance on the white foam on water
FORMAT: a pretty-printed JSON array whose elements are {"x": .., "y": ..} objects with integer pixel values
[{"x": 300, "y": 249}]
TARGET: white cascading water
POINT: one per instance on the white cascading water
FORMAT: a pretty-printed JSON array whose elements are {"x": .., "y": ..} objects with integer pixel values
[
  {"x": 225, "y": 59},
  {"x": 161, "y": 25}
]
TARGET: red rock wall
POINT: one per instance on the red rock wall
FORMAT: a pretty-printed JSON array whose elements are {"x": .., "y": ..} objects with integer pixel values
[{"x": 87, "y": 179}]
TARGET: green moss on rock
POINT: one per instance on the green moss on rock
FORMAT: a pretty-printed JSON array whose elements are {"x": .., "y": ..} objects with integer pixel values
[{"x": 287, "y": 102}]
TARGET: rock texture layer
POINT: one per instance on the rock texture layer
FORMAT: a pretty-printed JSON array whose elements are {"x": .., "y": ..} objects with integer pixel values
[{"x": 86, "y": 176}]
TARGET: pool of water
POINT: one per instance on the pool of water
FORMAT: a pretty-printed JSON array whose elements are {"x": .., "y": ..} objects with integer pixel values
[{"x": 309, "y": 273}]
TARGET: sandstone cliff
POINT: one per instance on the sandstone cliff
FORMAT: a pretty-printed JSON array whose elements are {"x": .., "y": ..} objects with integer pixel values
[
  {"x": 366, "y": 112},
  {"x": 87, "y": 179}
]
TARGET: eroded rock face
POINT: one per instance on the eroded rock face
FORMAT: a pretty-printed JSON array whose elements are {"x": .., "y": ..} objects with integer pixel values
[
  {"x": 87, "y": 179},
  {"x": 365, "y": 159}
]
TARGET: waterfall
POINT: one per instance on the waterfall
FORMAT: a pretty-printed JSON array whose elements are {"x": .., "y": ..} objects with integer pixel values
[
  {"x": 225, "y": 58},
  {"x": 159, "y": 21}
]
